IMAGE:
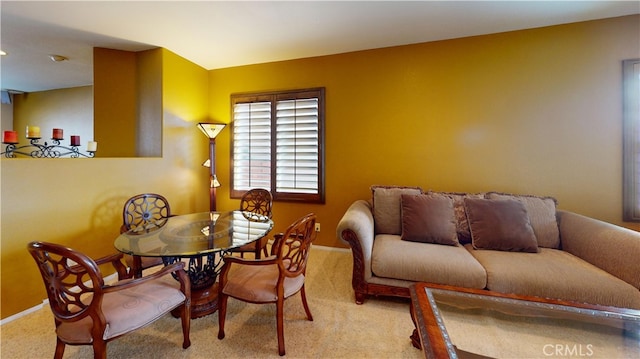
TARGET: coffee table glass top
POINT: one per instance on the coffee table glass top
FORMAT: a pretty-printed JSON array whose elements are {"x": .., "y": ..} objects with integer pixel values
[
  {"x": 196, "y": 234},
  {"x": 501, "y": 327}
]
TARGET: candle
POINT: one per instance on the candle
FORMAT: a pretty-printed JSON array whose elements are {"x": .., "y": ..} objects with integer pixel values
[
  {"x": 75, "y": 140},
  {"x": 92, "y": 146},
  {"x": 57, "y": 134},
  {"x": 10, "y": 137},
  {"x": 33, "y": 132}
]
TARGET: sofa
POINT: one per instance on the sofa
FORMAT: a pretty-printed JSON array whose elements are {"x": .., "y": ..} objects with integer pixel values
[{"x": 520, "y": 244}]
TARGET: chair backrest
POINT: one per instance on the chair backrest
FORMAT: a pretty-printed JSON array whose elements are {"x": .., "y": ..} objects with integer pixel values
[
  {"x": 257, "y": 200},
  {"x": 73, "y": 280},
  {"x": 292, "y": 248},
  {"x": 145, "y": 212}
]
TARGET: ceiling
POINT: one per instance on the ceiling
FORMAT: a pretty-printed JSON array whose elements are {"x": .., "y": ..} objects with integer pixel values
[{"x": 218, "y": 34}]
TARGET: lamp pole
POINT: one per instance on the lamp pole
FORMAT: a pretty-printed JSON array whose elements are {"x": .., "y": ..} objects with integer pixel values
[
  {"x": 211, "y": 130},
  {"x": 212, "y": 174}
]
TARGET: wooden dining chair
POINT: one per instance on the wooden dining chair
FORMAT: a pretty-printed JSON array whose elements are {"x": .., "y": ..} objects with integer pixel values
[
  {"x": 88, "y": 312},
  {"x": 143, "y": 213},
  {"x": 260, "y": 201},
  {"x": 272, "y": 279}
]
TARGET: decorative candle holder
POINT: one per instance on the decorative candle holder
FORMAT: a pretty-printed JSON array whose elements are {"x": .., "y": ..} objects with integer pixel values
[{"x": 44, "y": 150}]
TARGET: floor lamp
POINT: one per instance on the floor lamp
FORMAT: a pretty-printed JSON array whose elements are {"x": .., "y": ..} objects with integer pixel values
[{"x": 211, "y": 130}]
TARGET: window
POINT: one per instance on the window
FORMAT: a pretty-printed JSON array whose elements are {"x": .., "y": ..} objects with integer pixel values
[
  {"x": 631, "y": 141},
  {"x": 278, "y": 144}
]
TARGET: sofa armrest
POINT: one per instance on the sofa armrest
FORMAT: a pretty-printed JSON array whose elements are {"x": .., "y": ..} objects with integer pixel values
[
  {"x": 357, "y": 229},
  {"x": 609, "y": 247}
]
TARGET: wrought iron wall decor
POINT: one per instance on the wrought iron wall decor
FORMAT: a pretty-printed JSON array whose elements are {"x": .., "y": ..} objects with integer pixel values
[{"x": 45, "y": 150}]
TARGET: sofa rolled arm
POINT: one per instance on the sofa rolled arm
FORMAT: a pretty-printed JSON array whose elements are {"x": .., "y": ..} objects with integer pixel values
[
  {"x": 612, "y": 248},
  {"x": 356, "y": 228}
]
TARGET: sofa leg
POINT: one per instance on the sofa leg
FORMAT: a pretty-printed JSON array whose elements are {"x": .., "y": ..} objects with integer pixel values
[{"x": 360, "y": 297}]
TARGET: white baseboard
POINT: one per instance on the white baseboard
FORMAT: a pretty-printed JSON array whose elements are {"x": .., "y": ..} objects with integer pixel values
[
  {"x": 24, "y": 312},
  {"x": 45, "y": 302}
]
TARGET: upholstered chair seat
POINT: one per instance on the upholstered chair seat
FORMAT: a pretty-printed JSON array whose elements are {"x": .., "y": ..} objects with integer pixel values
[
  {"x": 258, "y": 284},
  {"x": 127, "y": 310}
]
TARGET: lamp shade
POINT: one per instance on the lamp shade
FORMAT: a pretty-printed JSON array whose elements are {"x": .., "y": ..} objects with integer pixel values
[{"x": 211, "y": 130}]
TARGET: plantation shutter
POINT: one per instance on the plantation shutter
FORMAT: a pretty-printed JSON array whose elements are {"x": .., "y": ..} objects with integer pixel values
[
  {"x": 278, "y": 144},
  {"x": 297, "y": 146},
  {"x": 252, "y": 145}
]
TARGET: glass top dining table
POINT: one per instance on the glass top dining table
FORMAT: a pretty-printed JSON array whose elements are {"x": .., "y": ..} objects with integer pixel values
[
  {"x": 200, "y": 240},
  {"x": 195, "y": 234}
]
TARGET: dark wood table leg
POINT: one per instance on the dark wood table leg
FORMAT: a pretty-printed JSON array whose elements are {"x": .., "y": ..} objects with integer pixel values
[{"x": 415, "y": 336}]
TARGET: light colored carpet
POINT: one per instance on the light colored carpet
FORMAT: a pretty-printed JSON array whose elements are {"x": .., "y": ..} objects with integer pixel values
[{"x": 341, "y": 329}]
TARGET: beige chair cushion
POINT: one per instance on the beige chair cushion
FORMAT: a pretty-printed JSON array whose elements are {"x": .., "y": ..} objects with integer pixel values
[
  {"x": 127, "y": 310},
  {"x": 386, "y": 207},
  {"x": 425, "y": 262},
  {"x": 257, "y": 283},
  {"x": 428, "y": 219},
  {"x": 553, "y": 273}
]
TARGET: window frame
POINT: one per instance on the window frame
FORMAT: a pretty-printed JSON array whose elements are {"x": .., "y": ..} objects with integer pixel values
[
  {"x": 631, "y": 140},
  {"x": 274, "y": 97}
]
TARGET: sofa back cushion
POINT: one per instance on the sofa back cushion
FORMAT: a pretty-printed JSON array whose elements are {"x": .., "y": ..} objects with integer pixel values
[
  {"x": 500, "y": 225},
  {"x": 428, "y": 219},
  {"x": 386, "y": 207},
  {"x": 542, "y": 214}
]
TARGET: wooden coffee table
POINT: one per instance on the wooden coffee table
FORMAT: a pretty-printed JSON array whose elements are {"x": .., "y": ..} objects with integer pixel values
[{"x": 453, "y": 322}]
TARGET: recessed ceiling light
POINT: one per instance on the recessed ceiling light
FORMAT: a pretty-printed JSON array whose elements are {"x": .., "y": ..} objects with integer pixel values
[{"x": 58, "y": 58}]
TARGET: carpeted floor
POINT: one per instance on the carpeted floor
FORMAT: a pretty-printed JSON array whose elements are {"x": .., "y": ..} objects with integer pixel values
[{"x": 341, "y": 329}]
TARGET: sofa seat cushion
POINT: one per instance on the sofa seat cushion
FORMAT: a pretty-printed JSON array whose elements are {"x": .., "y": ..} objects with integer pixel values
[
  {"x": 425, "y": 262},
  {"x": 552, "y": 273}
]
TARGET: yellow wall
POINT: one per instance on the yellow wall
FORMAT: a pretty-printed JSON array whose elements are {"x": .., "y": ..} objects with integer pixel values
[
  {"x": 115, "y": 102},
  {"x": 78, "y": 202},
  {"x": 70, "y": 109},
  {"x": 535, "y": 111}
]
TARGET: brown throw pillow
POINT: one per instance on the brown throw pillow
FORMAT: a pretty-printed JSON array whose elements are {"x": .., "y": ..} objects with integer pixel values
[
  {"x": 500, "y": 225},
  {"x": 462, "y": 225},
  {"x": 542, "y": 214},
  {"x": 428, "y": 219}
]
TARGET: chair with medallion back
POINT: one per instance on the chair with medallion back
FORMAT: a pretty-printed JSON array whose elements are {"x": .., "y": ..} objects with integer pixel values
[
  {"x": 143, "y": 213},
  {"x": 272, "y": 279},
  {"x": 260, "y": 201},
  {"x": 87, "y": 311}
]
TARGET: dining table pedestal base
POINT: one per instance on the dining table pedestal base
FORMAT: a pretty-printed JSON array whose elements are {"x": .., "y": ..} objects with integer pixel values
[{"x": 203, "y": 302}]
